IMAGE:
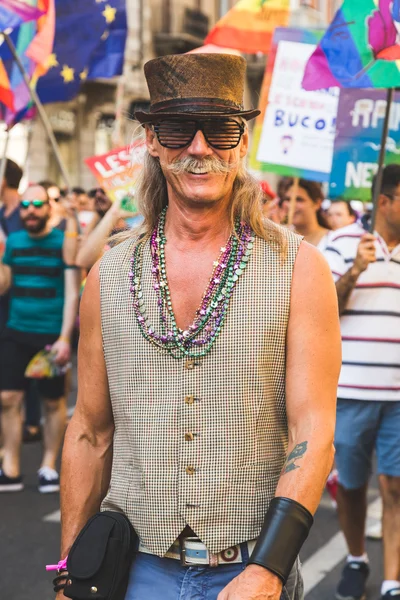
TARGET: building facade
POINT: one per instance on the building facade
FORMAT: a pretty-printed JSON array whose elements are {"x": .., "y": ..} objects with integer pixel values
[{"x": 101, "y": 117}]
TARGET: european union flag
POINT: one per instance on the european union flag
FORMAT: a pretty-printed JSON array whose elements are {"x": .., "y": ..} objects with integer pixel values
[{"x": 89, "y": 43}]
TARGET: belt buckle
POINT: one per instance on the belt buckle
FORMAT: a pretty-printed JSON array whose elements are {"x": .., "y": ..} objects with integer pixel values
[{"x": 182, "y": 546}]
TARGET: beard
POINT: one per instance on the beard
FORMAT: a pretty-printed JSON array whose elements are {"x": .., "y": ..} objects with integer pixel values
[{"x": 35, "y": 224}]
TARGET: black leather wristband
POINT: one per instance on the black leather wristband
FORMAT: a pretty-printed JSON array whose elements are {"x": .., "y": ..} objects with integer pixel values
[
  {"x": 286, "y": 528},
  {"x": 60, "y": 581}
]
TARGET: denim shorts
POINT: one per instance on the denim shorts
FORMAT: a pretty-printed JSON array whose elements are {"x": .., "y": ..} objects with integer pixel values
[
  {"x": 363, "y": 426},
  {"x": 154, "y": 578}
]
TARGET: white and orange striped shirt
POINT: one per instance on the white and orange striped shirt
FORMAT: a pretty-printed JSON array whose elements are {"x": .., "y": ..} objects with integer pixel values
[{"x": 370, "y": 324}]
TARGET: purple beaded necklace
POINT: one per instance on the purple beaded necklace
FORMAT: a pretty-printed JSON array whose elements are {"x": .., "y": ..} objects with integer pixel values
[{"x": 198, "y": 339}]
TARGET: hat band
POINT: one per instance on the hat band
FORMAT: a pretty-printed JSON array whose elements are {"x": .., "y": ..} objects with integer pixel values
[{"x": 196, "y": 105}]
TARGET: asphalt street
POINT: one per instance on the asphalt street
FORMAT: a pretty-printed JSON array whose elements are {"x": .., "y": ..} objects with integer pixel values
[{"x": 30, "y": 533}]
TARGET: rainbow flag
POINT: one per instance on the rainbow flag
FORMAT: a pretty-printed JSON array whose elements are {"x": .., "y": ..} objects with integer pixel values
[
  {"x": 6, "y": 95},
  {"x": 249, "y": 25},
  {"x": 360, "y": 49},
  {"x": 34, "y": 43},
  {"x": 15, "y": 12}
]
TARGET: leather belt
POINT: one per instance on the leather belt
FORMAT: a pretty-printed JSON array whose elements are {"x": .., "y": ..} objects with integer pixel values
[{"x": 192, "y": 552}]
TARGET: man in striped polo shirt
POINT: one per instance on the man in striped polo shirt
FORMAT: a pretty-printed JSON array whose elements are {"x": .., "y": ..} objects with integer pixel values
[
  {"x": 43, "y": 306},
  {"x": 366, "y": 269}
]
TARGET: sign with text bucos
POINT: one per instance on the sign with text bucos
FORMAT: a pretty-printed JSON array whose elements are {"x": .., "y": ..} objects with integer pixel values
[
  {"x": 299, "y": 127},
  {"x": 358, "y": 142},
  {"x": 118, "y": 170}
]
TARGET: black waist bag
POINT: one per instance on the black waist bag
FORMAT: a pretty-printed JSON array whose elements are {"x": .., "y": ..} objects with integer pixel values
[{"x": 100, "y": 559}]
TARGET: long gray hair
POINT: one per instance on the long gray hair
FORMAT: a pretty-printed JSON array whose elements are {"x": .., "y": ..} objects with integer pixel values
[{"x": 247, "y": 201}]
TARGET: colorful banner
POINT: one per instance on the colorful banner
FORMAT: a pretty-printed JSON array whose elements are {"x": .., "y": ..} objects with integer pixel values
[
  {"x": 249, "y": 25},
  {"x": 358, "y": 142},
  {"x": 118, "y": 170},
  {"x": 281, "y": 34},
  {"x": 361, "y": 48},
  {"x": 298, "y": 127}
]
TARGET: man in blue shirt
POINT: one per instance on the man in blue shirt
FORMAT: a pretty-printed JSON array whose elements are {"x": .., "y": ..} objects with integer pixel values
[{"x": 42, "y": 311}]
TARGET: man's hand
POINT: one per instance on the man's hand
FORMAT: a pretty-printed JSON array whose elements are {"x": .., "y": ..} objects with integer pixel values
[
  {"x": 366, "y": 253},
  {"x": 62, "y": 351},
  {"x": 255, "y": 583}
]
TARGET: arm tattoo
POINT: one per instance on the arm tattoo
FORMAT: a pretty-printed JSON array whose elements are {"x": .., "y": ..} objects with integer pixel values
[
  {"x": 344, "y": 287},
  {"x": 297, "y": 453}
]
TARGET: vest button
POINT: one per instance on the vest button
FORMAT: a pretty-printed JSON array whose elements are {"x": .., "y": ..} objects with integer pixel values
[
  {"x": 189, "y": 399},
  {"x": 189, "y": 437},
  {"x": 189, "y": 364},
  {"x": 190, "y": 470}
]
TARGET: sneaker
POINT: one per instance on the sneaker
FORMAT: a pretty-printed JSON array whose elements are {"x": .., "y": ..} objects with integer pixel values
[
  {"x": 391, "y": 594},
  {"x": 374, "y": 532},
  {"x": 10, "y": 484},
  {"x": 352, "y": 584},
  {"x": 49, "y": 480}
]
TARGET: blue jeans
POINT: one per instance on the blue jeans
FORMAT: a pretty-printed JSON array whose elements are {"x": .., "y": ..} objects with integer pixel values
[{"x": 154, "y": 578}]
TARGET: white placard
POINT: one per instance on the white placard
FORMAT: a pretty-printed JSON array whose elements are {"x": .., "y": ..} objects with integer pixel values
[{"x": 299, "y": 126}]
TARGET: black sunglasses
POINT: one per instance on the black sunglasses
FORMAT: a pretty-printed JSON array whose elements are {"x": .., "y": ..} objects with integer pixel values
[
  {"x": 34, "y": 203},
  {"x": 221, "y": 134}
]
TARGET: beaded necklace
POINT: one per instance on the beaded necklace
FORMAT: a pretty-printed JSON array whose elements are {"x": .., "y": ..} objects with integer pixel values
[{"x": 199, "y": 338}]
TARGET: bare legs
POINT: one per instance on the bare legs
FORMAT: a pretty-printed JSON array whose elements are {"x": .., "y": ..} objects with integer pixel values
[
  {"x": 352, "y": 512},
  {"x": 11, "y": 425},
  {"x": 390, "y": 490}
]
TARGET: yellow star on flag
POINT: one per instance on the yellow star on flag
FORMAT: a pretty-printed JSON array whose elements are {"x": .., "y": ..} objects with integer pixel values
[
  {"x": 109, "y": 13},
  {"x": 68, "y": 74},
  {"x": 52, "y": 61},
  {"x": 84, "y": 74}
]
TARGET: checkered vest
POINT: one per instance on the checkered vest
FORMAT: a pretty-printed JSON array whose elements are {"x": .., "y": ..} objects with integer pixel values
[{"x": 198, "y": 442}]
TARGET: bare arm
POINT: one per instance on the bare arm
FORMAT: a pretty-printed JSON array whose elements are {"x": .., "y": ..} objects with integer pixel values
[
  {"x": 93, "y": 245},
  {"x": 71, "y": 239},
  {"x": 5, "y": 278},
  {"x": 62, "y": 346},
  {"x": 87, "y": 454},
  {"x": 346, "y": 284},
  {"x": 71, "y": 277},
  {"x": 312, "y": 370},
  {"x": 344, "y": 287},
  {"x": 312, "y": 373}
]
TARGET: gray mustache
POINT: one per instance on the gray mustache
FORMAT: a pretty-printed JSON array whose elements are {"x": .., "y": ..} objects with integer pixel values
[{"x": 208, "y": 163}]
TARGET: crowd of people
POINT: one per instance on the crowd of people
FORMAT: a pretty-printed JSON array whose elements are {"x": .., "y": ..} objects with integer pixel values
[{"x": 49, "y": 241}]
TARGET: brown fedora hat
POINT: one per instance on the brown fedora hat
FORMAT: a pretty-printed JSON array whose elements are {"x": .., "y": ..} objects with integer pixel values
[{"x": 195, "y": 86}]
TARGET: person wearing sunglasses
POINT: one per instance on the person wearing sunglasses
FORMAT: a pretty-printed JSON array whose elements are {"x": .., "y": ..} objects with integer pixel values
[
  {"x": 207, "y": 386},
  {"x": 43, "y": 305}
]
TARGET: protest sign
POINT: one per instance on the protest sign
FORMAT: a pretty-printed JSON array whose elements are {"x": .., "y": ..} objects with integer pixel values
[
  {"x": 358, "y": 141},
  {"x": 118, "y": 170},
  {"x": 299, "y": 127},
  {"x": 289, "y": 34}
]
